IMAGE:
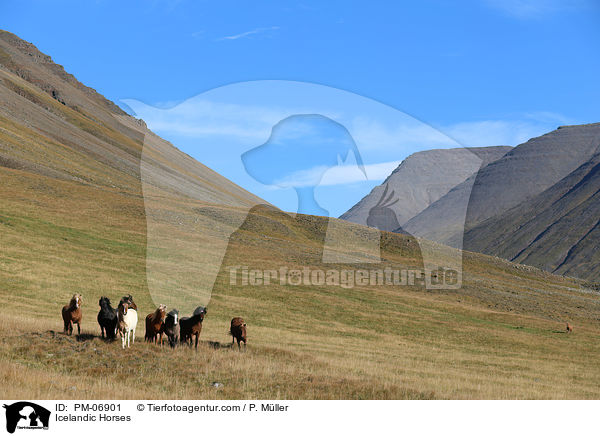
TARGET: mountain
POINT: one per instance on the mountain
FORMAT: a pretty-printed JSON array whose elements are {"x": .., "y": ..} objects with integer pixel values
[
  {"x": 54, "y": 126},
  {"x": 421, "y": 179},
  {"x": 557, "y": 230},
  {"x": 518, "y": 176},
  {"x": 64, "y": 148}
]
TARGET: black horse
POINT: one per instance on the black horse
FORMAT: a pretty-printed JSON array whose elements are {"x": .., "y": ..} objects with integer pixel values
[
  {"x": 171, "y": 327},
  {"x": 191, "y": 327},
  {"x": 107, "y": 318}
]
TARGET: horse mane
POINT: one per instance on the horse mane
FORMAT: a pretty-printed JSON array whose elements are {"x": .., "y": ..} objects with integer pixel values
[
  {"x": 121, "y": 308},
  {"x": 74, "y": 300},
  {"x": 156, "y": 315}
]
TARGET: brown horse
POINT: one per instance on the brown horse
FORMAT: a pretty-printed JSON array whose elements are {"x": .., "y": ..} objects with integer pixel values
[
  {"x": 154, "y": 324},
  {"x": 569, "y": 328},
  {"x": 238, "y": 331},
  {"x": 71, "y": 314}
]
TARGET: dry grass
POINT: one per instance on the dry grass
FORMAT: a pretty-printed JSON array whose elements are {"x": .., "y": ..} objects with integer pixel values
[{"x": 498, "y": 337}]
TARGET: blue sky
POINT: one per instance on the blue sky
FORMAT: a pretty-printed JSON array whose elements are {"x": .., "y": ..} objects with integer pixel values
[{"x": 484, "y": 72}]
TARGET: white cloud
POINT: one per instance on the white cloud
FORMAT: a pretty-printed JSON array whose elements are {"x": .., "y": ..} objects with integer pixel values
[
  {"x": 505, "y": 132},
  {"x": 524, "y": 9},
  {"x": 374, "y": 135},
  {"x": 249, "y": 33},
  {"x": 346, "y": 174},
  {"x": 254, "y": 122},
  {"x": 549, "y": 117},
  {"x": 251, "y": 123},
  {"x": 339, "y": 175},
  {"x": 199, "y": 117}
]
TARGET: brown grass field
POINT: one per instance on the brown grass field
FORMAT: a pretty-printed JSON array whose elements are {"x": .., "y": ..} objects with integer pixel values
[{"x": 499, "y": 337}]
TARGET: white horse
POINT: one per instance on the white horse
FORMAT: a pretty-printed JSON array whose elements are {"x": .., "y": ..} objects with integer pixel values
[{"x": 127, "y": 323}]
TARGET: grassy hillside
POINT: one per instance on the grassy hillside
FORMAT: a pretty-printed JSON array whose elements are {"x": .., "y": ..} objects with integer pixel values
[{"x": 501, "y": 336}]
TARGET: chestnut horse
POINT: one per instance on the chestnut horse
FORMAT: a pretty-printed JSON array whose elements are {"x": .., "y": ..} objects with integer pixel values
[
  {"x": 569, "y": 328},
  {"x": 238, "y": 331},
  {"x": 154, "y": 324},
  {"x": 71, "y": 314}
]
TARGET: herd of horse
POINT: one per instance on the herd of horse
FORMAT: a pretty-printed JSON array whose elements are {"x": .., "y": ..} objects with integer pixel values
[
  {"x": 159, "y": 324},
  {"x": 124, "y": 319}
]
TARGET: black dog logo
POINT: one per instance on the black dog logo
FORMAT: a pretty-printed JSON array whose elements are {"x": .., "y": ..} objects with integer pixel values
[{"x": 28, "y": 415}]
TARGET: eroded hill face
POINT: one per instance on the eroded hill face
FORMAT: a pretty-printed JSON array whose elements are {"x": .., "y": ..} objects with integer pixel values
[
  {"x": 420, "y": 180},
  {"x": 521, "y": 174},
  {"x": 557, "y": 230},
  {"x": 54, "y": 126}
]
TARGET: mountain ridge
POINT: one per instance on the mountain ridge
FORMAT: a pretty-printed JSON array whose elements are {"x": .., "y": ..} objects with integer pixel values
[
  {"x": 521, "y": 174},
  {"x": 53, "y": 125},
  {"x": 419, "y": 180},
  {"x": 557, "y": 230}
]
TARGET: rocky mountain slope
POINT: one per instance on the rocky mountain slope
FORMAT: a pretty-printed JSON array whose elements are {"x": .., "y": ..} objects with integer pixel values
[
  {"x": 421, "y": 179},
  {"x": 557, "y": 230},
  {"x": 518, "y": 176},
  {"x": 54, "y": 126}
]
